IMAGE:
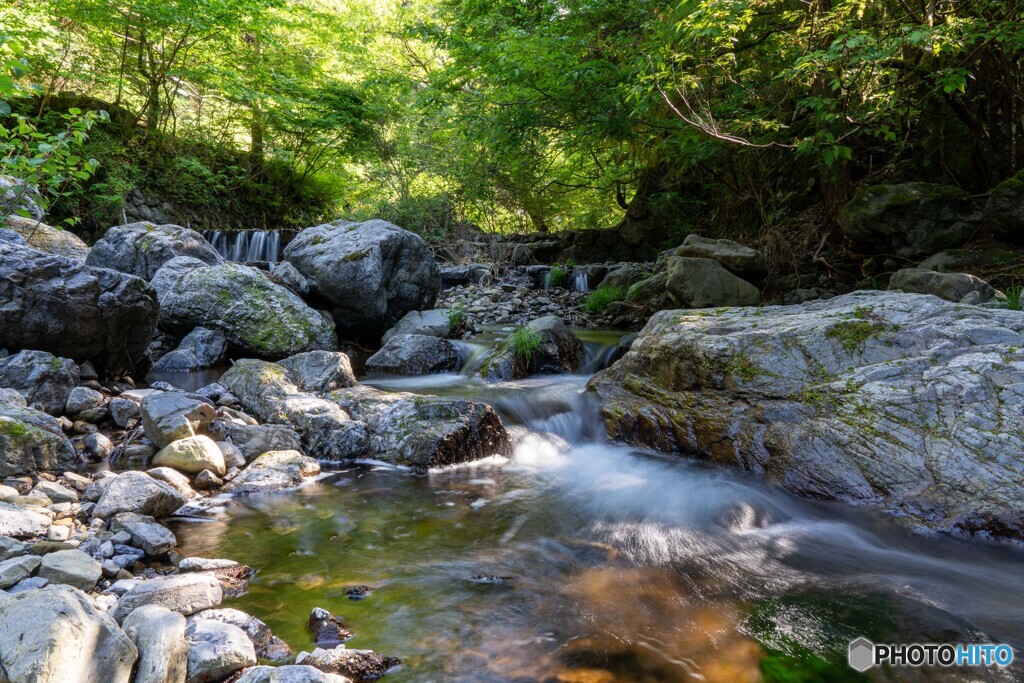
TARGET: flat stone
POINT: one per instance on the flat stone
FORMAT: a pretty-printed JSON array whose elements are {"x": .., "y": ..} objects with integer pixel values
[
  {"x": 16, "y": 569},
  {"x": 184, "y": 593},
  {"x": 146, "y": 533},
  {"x": 72, "y": 567}
]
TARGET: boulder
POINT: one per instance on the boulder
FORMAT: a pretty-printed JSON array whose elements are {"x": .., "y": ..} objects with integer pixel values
[
  {"x": 173, "y": 415},
  {"x": 288, "y": 275},
  {"x": 16, "y": 569},
  {"x": 424, "y": 431},
  {"x": 146, "y": 533},
  {"x": 45, "y": 380},
  {"x": 734, "y": 257},
  {"x": 949, "y": 286},
  {"x": 49, "y": 239},
  {"x": 32, "y": 441},
  {"x": 900, "y": 400},
  {"x": 415, "y": 354},
  {"x": 433, "y": 323},
  {"x": 16, "y": 198},
  {"x": 327, "y": 629},
  {"x": 55, "y": 492},
  {"x": 256, "y": 315},
  {"x": 359, "y": 665},
  {"x": 289, "y": 674},
  {"x": 174, "y": 479},
  {"x": 371, "y": 273},
  {"x": 626, "y": 275},
  {"x": 140, "y": 493},
  {"x": 320, "y": 371},
  {"x": 703, "y": 283},
  {"x": 60, "y": 305},
  {"x": 255, "y": 440},
  {"x": 273, "y": 471},
  {"x": 216, "y": 650},
  {"x": 159, "y": 636},
  {"x": 81, "y": 399},
  {"x": 56, "y": 635},
  {"x": 18, "y": 522},
  {"x": 1004, "y": 211},
  {"x": 140, "y": 249},
  {"x": 201, "y": 348},
  {"x": 268, "y": 646},
  {"x": 73, "y": 567},
  {"x": 553, "y": 349},
  {"x": 192, "y": 455},
  {"x": 182, "y": 593},
  {"x": 910, "y": 220}
]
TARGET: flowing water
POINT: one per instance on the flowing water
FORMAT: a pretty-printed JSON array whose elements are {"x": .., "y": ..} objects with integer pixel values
[
  {"x": 575, "y": 560},
  {"x": 245, "y": 245}
]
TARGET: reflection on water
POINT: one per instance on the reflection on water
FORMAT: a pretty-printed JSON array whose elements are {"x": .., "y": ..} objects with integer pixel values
[{"x": 624, "y": 566}]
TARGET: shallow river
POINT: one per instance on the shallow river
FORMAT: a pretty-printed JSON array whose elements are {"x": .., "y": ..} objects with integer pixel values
[{"x": 616, "y": 565}]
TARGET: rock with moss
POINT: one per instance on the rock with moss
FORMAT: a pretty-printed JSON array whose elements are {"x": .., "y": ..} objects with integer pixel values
[
  {"x": 48, "y": 238},
  {"x": 424, "y": 431},
  {"x": 1004, "y": 211},
  {"x": 902, "y": 400},
  {"x": 734, "y": 257},
  {"x": 949, "y": 286},
  {"x": 372, "y": 273},
  {"x": 32, "y": 441},
  {"x": 911, "y": 220},
  {"x": 704, "y": 283},
  {"x": 60, "y": 305},
  {"x": 257, "y": 316},
  {"x": 141, "y": 249},
  {"x": 320, "y": 371},
  {"x": 43, "y": 379},
  {"x": 415, "y": 354},
  {"x": 545, "y": 346}
]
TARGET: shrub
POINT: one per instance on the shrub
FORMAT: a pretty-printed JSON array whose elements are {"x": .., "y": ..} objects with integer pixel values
[
  {"x": 525, "y": 342},
  {"x": 457, "y": 317},
  {"x": 558, "y": 277},
  {"x": 1013, "y": 300},
  {"x": 601, "y": 297}
]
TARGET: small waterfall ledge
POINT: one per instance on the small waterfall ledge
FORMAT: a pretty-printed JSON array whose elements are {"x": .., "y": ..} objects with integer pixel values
[{"x": 246, "y": 245}]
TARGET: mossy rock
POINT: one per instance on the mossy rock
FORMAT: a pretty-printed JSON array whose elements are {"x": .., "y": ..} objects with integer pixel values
[{"x": 1004, "y": 211}]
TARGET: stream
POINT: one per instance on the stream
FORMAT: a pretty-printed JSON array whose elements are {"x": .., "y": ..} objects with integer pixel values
[{"x": 579, "y": 561}]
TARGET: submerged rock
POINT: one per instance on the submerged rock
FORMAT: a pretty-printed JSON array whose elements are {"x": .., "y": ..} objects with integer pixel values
[
  {"x": 545, "y": 346},
  {"x": 900, "y": 400},
  {"x": 327, "y": 629},
  {"x": 372, "y": 273},
  {"x": 140, "y": 249},
  {"x": 415, "y": 354}
]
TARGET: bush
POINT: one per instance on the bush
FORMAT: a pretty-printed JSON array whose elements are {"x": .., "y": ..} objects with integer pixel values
[
  {"x": 525, "y": 342},
  {"x": 601, "y": 297}
]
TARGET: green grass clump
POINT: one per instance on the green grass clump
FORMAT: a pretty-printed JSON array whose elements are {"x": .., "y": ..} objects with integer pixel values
[
  {"x": 558, "y": 277},
  {"x": 457, "y": 317},
  {"x": 525, "y": 341},
  {"x": 1013, "y": 300},
  {"x": 600, "y": 298}
]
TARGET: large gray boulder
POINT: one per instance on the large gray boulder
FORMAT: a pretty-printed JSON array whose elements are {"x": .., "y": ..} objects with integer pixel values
[
  {"x": 268, "y": 646},
  {"x": 60, "y": 305},
  {"x": 371, "y": 273},
  {"x": 43, "y": 379},
  {"x": 545, "y": 346},
  {"x": 1004, "y": 211},
  {"x": 159, "y": 635},
  {"x": 257, "y": 315},
  {"x": 172, "y": 415},
  {"x": 31, "y": 442},
  {"x": 216, "y": 650},
  {"x": 902, "y": 400},
  {"x": 56, "y": 635},
  {"x": 201, "y": 348},
  {"x": 703, "y": 283},
  {"x": 255, "y": 440},
  {"x": 48, "y": 238},
  {"x": 142, "y": 248},
  {"x": 433, "y": 323},
  {"x": 181, "y": 593},
  {"x": 140, "y": 493},
  {"x": 415, "y": 354},
  {"x": 911, "y": 220},
  {"x": 949, "y": 286},
  {"x": 734, "y": 257}
]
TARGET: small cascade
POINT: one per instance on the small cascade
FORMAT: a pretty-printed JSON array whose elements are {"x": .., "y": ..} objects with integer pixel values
[
  {"x": 547, "y": 281},
  {"x": 598, "y": 355},
  {"x": 582, "y": 283},
  {"x": 245, "y": 245}
]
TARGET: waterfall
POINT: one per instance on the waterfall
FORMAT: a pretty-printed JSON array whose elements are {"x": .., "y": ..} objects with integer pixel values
[
  {"x": 245, "y": 245},
  {"x": 547, "y": 280},
  {"x": 582, "y": 284}
]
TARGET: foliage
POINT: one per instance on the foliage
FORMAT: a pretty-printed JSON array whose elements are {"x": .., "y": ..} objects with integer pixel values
[
  {"x": 457, "y": 317},
  {"x": 1013, "y": 297},
  {"x": 598, "y": 300},
  {"x": 525, "y": 342},
  {"x": 558, "y": 277}
]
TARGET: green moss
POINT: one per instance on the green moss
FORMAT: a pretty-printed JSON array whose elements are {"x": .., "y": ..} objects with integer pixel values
[
  {"x": 853, "y": 334},
  {"x": 14, "y": 429},
  {"x": 355, "y": 256}
]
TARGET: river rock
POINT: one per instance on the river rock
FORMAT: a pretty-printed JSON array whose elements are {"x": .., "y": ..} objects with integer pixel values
[
  {"x": 49, "y": 239},
  {"x": 289, "y": 674},
  {"x": 949, "y": 286},
  {"x": 18, "y": 522},
  {"x": 60, "y": 305},
  {"x": 415, "y": 354},
  {"x": 216, "y": 650},
  {"x": 45, "y": 380},
  {"x": 893, "y": 399},
  {"x": 201, "y": 348},
  {"x": 734, "y": 257},
  {"x": 56, "y": 635},
  {"x": 255, "y": 440},
  {"x": 174, "y": 479},
  {"x": 288, "y": 275},
  {"x": 182, "y": 593},
  {"x": 372, "y": 273},
  {"x": 138, "y": 492},
  {"x": 17, "y": 568},
  {"x": 32, "y": 441},
  {"x": 911, "y": 220},
  {"x": 433, "y": 323},
  {"x": 192, "y": 455},
  {"x": 140, "y": 249},
  {"x": 557, "y": 350},
  {"x": 173, "y": 415},
  {"x": 327, "y": 629},
  {"x": 55, "y": 492},
  {"x": 320, "y": 371},
  {"x": 159, "y": 635},
  {"x": 1004, "y": 211},
  {"x": 73, "y": 567},
  {"x": 268, "y": 646},
  {"x": 703, "y": 283},
  {"x": 81, "y": 399},
  {"x": 424, "y": 431},
  {"x": 256, "y": 315},
  {"x": 626, "y": 275},
  {"x": 273, "y": 471},
  {"x": 146, "y": 533},
  {"x": 359, "y": 665}
]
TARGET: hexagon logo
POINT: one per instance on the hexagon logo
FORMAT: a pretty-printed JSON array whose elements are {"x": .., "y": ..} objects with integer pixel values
[{"x": 862, "y": 654}]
